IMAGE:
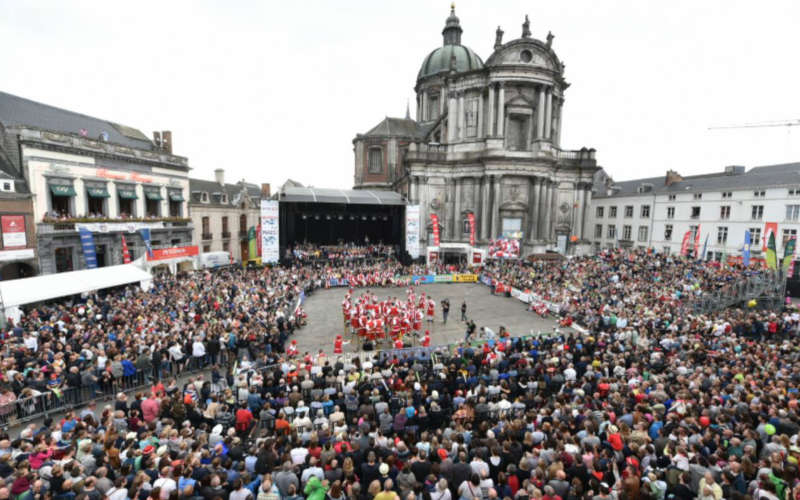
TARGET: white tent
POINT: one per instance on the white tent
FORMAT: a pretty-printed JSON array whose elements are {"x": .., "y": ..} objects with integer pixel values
[{"x": 52, "y": 286}]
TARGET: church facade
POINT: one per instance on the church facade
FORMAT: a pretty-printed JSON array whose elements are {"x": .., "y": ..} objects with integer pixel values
[{"x": 486, "y": 141}]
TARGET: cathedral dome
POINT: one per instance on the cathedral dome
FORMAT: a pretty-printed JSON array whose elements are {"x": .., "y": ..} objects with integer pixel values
[{"x": 451, "y": 55}]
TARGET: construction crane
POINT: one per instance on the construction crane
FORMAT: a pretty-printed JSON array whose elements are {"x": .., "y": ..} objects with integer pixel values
[{"x": 776, "y": 123}]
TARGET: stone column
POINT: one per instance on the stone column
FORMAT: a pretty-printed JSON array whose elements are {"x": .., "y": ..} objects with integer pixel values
[
  {"x": 442, "y": 94},
  {"x": 548, "y": 120},
  {"x": 501, "y": 118},
  {"x": 548, "y": 214},
  {"x": 540, "y": 111},
  {"x": 461, "y": 113},
  {"x": 414, "y": 189},
  {"x": 486, "y": 187},
  {"x": 553, "y": 208},
  {"x": 532, "y": 200},
  {"x": 425, "y": 111},
  {"x": 419, "y": 108},
  {"x": 496, "y": 225},
  {"x": 480, "y": 115},
  {"x": 490, "y": 122},
  {"x": 457, "y": 230},
  {"x": 451, "y": 119}
]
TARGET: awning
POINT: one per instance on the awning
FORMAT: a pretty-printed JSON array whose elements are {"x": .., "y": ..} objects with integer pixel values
[
  {"x": 97, "y": 192},
  {"x": 61, "y": 190},
  {"x": 153, "y": 195},
  {"x": 176, "y": 196},
  {"x": 127, "y": 193},
  {"x": 341, "y": 196}
]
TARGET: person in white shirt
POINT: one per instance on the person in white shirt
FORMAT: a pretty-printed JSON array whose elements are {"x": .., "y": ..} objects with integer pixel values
[
  {"x": 298, "y": 455},
  {"x": 31, "y": 342},
  {"x": 166, "y": 483}
]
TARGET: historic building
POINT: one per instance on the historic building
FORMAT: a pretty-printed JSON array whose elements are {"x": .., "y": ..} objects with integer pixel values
[
  {"x": 486, "y": 140},
  {"x": 223, "y": 214},
  {"x": 85, "y": 172}
]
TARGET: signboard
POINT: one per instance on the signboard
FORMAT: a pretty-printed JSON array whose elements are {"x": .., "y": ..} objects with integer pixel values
[
  {"x": 412, "y": 230},
  {"x": 25, "y": 253},
  {"x": 465, "y": 278},
  {"x": 89, "y": 251},
  {"x": 435, "y": 228},
  {"x": 125, "y": 227},
  {"x": 173, "y": 253},
  {"x": 270, "y": 244},
  {"x": 13, "y": 231},
  {"x": 561, "y": 240}
]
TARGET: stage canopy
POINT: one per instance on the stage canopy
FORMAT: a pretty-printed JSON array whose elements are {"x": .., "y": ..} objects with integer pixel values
[
  {"x": 342, "y": 196},
  {"x": 52, "y": 286}
]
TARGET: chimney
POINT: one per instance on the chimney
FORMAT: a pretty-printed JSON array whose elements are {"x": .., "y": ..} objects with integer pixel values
[
  {"x": 672, "y": 178},
  {"x": 166, "y": 141},
  {"x": 157, "y": 139},
  {"x": 265, "y": 192},
  {"x": 219, "y": 175}
]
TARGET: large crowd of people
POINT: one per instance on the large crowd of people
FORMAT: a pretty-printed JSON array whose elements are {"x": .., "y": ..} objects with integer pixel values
[{"x": 651, "y": 401}]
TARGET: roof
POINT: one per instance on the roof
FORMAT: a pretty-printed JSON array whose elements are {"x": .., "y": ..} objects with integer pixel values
[
  {"x": 787, "y": 174},
  {"x": 343, "y": 196},
  {"x": 52, "y": 286},
  {"x": 18, "y": 111},
  {"x": 232, "y": 190},
  {"x": 439, "y": 60},
  {"x": 397, "y": 127}
]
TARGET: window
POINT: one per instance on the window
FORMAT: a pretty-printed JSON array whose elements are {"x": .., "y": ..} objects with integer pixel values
[
  {"x": 61, "y": 196},
  {"x": 792, "y": 212},
  {"x": 794, "y": 192},
  {"x": 225, "y": 231},
  {"x": 599, "y": 212},
  {"x": 204, "y": 197},
  {"x": 375, "y": 160},
  {"x": 612, "y": 231},
  {"x": 668, "y": 232},
  {"x": 727, "y": 194},
  {"x": 629, "y": 211},
  {"x": 512, "y": 227},
  {"x": 642, "y": 233},
  {"x": 725, "y": 212},
  {"x": 206, "y": 248},
  {"x": 242, "y": 225},
  {"x": 63, "y": 257},
  {"x": 126, "y": 196},
  {"x": 206, "y": 228},
  {"x": 787, "y": 235},
  {"x": 759, "y": 194},
  {"x": 626, "y": 232},
  {"x": 612, "y": 212},
  {"x": 433, "y": 107},
  {"x": 695, "y": 213},
  {"x": 755, "y": 236},
  {"x": 226, "y": 246},
  {"x": 598, "y": 231},
  {"x": 722, "y": 235},
  {"x": 645, "y": 211},
  {"x": 224, "y": 198},
  {"x": 7, "y": 186},
  {"x": 152, "y": 202},
  {"x": 671, "y": 197},
  {"x": 670, "y": 212},
  {"x": 666, "y": 250},
  {"x": 698, "y": 196},
  {"x": 757, "y": 212},
  {"x": 693, "y": 231},
  {"x": 471, "y": 117},
  {"x": 96, "y": 195}
]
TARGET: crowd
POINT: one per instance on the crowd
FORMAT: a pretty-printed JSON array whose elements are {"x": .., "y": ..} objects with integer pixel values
[
  {"x": 341, "y": 254},
  {"x": 652, "y": 402}
]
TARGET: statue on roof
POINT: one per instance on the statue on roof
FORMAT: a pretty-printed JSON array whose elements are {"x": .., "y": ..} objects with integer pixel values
[
  {"x": 550, "y": 37},
  {"x": 526, "y": 28},
  {"x": 498, "y": 38}
]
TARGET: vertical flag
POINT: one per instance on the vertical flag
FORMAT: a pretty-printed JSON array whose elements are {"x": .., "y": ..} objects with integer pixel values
[
  {"x": 746, "y": 248},
  {"x": 89, "y": 251},
  {"x": 685, "y": 243},
  {"x": 435, "y": 226},
  {"x": 772, "y": 253},
  {"x": 697, "y": 242},
  {"x": 702, "y": 256},
  {"x": 126, "y": 255},
  {"x": 471, "y": 219},
  {"x": 769, "y": 227},
  {"x": 252, "y": 247},
  {"x": 258, "y": 238},
  {"x": 145, "y": 232},
  {"x": 788, "y": 253}
]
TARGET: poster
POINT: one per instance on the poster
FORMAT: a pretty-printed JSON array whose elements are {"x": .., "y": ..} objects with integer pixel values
[
  {"x": 89, "y": 251},
  {"x": 471, "y": 219},
  {"x": 561, "y": 240},
  {"x": 412, "y": 230},
  {"x": 13, "y": 231},
  {"x": 435, "y": 228},
  {"x": 270, "y": 244},
  {"x": 174, "y": 253}
]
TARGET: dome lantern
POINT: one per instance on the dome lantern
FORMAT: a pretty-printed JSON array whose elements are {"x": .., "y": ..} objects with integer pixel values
[{"x": 451, "y": 33}]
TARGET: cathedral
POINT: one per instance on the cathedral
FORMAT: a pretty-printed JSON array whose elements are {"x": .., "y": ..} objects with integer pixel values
[{"x": 485, "y": 141}]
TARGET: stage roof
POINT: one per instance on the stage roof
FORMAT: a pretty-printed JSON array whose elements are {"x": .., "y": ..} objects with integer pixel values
[
  {"x": 52, "y": 286},
  {"x": 343, "y": 196}
]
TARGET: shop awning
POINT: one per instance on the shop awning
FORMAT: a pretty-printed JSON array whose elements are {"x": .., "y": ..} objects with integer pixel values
[
  {"x": 61, "y": 190},
  {"x": 175, "y": 196},
  {"x": 127, "y": 193},
  {"x": 153, "y": 195},
  {"x": 97, "y": 192}
]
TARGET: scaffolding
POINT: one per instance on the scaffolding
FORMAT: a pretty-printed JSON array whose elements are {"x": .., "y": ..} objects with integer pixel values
[{"x": 767, "y": 289}]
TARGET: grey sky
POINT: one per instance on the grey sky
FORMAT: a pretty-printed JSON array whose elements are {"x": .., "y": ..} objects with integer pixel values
[{"x": 270, "y": 90}]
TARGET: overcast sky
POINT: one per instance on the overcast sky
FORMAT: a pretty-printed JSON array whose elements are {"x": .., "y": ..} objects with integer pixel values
[{"x": 269, "y": 90}]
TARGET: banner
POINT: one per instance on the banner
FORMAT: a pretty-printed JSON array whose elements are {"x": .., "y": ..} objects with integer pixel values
[
  {"x": 788, "y": 253},
  {"x": 125, "y": 227},
  {"x": 769, "y": 227},
  {"x": 702, "y": 256},
  {"x": 435, "y": 226},
  {"x": 697, "y": 242},
  {"x": 251, "y": 243},
  {"x": 258, "y": 239},
  {"x": 126, "y": 255},
  {"x": 412, "y": 230},
  {"x": 14, "y": 231},
  {"x": 746, "y": 248},
  {"x": 504, "y": 248},
  {"x": 89, "y": 252},
  {"x": 270, "y": 234},
  {"x": 174, "y": 253},
  {"x": 772, "y": 252},
  {"x": 471, "y": 219},
  {"x": 145, "y": 232},
  {"x": 465, "y": 278},
  {"x": 685, "y": 243}
]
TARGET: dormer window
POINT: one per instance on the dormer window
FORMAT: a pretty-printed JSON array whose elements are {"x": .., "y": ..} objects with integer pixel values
[
  {"x": 204, "y": 197},
  {"x": 8, "y": 186},
  {"x": 224, "y": 198}
]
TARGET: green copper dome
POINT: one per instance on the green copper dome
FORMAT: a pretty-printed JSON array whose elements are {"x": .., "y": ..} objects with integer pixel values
[{"x": 439, "y": 60}]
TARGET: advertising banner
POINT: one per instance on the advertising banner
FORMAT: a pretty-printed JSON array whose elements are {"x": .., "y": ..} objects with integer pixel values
[
  {"x": 89, "y": 252},
  {"x": 465, "y": 278},
  {"x": 769, "y": 227},
  {"x": 125, "y": 227},
  {"x": 412, "y": 230},
  {"x": 270, "y": 234},
  {"x": 126, "y": 255},
  {"x": 443, "y": 278},
  {"x": 13, "y": 231},
  {"x": 173, "y": 253},
  {"x": 146, "y": 238},
  {"x": 471, "y": 220},
  {"x": 435, "y": 226},
  {"x": 252, "y": 243},
  {"x": 685, "y": 243}
]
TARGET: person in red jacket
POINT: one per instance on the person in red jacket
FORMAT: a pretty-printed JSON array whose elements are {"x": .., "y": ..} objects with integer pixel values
[
  {"x": 244, "y": 420},
  {"x": 426, "y": 340}
]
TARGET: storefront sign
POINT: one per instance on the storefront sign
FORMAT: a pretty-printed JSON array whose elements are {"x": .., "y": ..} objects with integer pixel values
[
  {"x": 13, "y": 231},
  {"x": 270, "y": 232},
  {"x": 412, "y": 230},
  {"x": 25, "y": 253},
  {"x": 173, "y": 253}
]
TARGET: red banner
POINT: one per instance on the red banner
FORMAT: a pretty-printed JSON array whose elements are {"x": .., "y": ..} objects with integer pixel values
[
  {"x": 471, "y": 219},
  {"x": 435, "y": 225},
  {"x": 126, "y": 255},
  {"x": 685, "y": 243},
  {"x": 173, "y": 253},
  {"x": 769, "y": 227},
  {"x": 697, "y": 242},
  {"x": 13, "y": 231}
]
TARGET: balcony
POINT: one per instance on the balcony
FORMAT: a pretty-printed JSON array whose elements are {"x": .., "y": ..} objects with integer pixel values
[
  {"x": 207, "y": 237},
  {"x": 70, "y": 225},
  {"x": 537, "y": 149},
  {"x": 226, "y": 235},
  {"x": 244, "y": 234}
]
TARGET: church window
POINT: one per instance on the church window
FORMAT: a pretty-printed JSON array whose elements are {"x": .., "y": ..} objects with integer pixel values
[
  {"x": 517, "y": 134},
  {"x": 375, "y": 160},
  {"x": 526, "y": 56},
  {"x": 433, "y": 107},
  {"x": 471, "y": 117}
]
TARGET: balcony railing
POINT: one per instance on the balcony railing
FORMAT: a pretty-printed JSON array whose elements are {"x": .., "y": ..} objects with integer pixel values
[
  {"x": 207, "y": 237},
  {"x": 226, "y": 235},
  {"x": 71, "y": 225}
]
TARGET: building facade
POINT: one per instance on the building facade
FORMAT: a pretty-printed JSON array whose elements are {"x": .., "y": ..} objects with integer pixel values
[
  {"x": 486, "y": 141},
  {"x": 657, "y": 212},
  {"x": 84, "y": 172},
  {"x": 222, "y": 214}
]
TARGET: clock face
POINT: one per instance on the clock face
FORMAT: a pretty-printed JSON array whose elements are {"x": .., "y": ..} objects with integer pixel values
[{"x": 435, "y": 203}]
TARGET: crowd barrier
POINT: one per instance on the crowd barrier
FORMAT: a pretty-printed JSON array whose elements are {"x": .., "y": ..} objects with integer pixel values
[{"x": 418, "y": 279}]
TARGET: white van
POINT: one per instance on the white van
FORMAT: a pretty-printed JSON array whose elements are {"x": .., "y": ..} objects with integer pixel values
[{"x": 210, "y": 260}]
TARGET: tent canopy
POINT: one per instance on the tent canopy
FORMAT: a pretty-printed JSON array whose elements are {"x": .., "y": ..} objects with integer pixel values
[
  {"x": 344, "y": 196},
  {"x": 52, "y": 286}
]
